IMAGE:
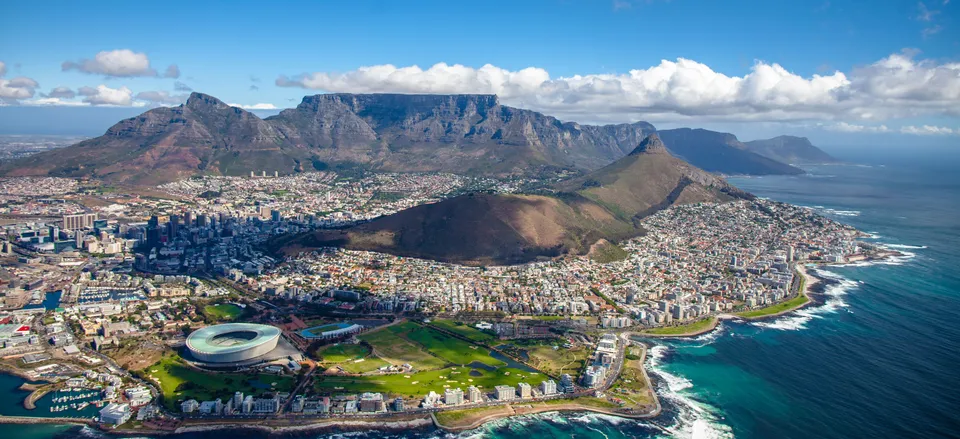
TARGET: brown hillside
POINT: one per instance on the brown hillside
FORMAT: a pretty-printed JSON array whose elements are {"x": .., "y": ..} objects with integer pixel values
[{"x": 484, "y": 229}]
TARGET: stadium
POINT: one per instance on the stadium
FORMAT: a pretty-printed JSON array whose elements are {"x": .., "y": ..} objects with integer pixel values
[{"x": 232, "y": 343}]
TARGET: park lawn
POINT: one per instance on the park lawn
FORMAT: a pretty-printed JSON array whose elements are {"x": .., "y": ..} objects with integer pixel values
[
  {"x": 343, "y": 352},
  {"x": 557, "y": 362},
  {"x": 452, "y": 349},
  {"x": 223, "y": 311},
  {"x": 421, "y": 383},
  {"x": 796, "y": 302},
  {"x": 689, "y": 328},
  {"x": 397, "y": 350},
  {"x": 179, "y": 382},
  {"x": 463, "y": 330}
]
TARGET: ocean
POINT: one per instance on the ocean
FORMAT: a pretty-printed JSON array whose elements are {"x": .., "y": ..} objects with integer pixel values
[{"x": 879, "y": 358}]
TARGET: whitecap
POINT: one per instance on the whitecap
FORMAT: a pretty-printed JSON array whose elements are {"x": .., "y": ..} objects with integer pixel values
[
  {"x": 903, "y": 246},
  {"x": 694, "y": 419}
]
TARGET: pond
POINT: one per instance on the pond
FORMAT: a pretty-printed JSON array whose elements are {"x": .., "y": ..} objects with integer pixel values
[{"x": 511, "y": 362}]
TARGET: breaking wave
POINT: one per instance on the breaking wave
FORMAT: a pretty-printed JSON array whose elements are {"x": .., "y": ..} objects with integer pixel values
[{"x": 694, "y": 419}]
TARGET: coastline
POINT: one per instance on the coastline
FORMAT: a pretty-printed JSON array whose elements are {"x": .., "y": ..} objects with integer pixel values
[{"x": 715, "y": 321}]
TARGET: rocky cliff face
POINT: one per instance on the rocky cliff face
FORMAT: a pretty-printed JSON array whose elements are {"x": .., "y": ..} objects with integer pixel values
[{"x": 459, "y": 133}]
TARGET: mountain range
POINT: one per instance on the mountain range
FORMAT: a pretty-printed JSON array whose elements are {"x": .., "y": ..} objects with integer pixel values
[
  {"x": 465, "y": 134},
  {"x": 574, "y": 217}
]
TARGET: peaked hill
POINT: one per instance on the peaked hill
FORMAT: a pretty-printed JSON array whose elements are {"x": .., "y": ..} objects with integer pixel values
[
  {"x": 790, "y": 149},
  {"x": 485, "y": 229},
  {"x": 202, "y": 136}
]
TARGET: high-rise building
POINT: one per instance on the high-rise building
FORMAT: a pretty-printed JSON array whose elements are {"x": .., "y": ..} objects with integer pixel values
[
  {"x": 548, "y": 387},
  {"x": 174, "y": 226},
  {"x": 237, "y": 400},
  {"x": 505, "y": 393},
  {"x": 566, "y": 383},
  {"x": 475, "y": 394},
  {"x": 453, "y": 396},
  {"x": 79, "y": 221},
  {"x": 524, "y": 390}
]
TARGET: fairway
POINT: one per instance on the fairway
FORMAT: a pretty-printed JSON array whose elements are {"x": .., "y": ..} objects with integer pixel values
[
  {"x": 419, "y": 384},
  {"x": 392, "y": 347},
  {"x": 463, "y": 330},
  {"x": 180, "y": 382},
  {"x": 223, "y": 311},
  {"x": 340, "y": 353},
  {"x": 452, "y": 349}
]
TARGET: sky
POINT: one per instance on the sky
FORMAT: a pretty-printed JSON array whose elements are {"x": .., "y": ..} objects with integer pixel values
[{"x": 837, "y": 71}]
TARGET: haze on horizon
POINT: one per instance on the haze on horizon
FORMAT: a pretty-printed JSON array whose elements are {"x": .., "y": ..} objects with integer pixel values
[{"x": 839, "y": 72}]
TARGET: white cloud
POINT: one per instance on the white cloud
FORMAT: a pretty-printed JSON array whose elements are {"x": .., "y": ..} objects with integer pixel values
[
  {"x": 681, "y": 90},
  {"x": 3, "y": 68},
  {"x": 119, "y": 63},
  {"x": 14, "y": 89},
  {"x": 103, "y": 95},
  {"x": 928, "y": 130},
  {"x": 55, "y": 102},
  {"x": 260, "y": 106},
  {"x": 162, "y": 97},
  {"x": 845, "y": 127}
]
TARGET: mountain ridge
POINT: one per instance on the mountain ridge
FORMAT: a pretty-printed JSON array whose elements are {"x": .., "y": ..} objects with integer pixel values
[{"x": 466, "y": 134}]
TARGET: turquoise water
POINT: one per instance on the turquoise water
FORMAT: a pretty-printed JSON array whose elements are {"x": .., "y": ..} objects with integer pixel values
[{"x": 879, "y": 359}]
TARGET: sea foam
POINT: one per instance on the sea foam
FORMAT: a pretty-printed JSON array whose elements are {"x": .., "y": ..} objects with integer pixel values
[{"x": 798, "y": 320}]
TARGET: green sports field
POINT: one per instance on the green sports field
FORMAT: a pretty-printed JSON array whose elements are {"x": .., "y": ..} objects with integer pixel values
[{"x": 223, "y": 311}]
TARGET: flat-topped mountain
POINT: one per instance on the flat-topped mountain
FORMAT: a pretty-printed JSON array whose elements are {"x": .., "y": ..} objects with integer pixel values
[
  {"x": 465, "y": 134},
  {"x": 485, "y": 229},
  {"x": 721, "y": 153},
  {"x": 790, "y": 149},
  {"x": 469, "y": 134}
]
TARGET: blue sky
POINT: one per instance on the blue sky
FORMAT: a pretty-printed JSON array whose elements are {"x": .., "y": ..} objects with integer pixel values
[{"x": 892, "y": 55}]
